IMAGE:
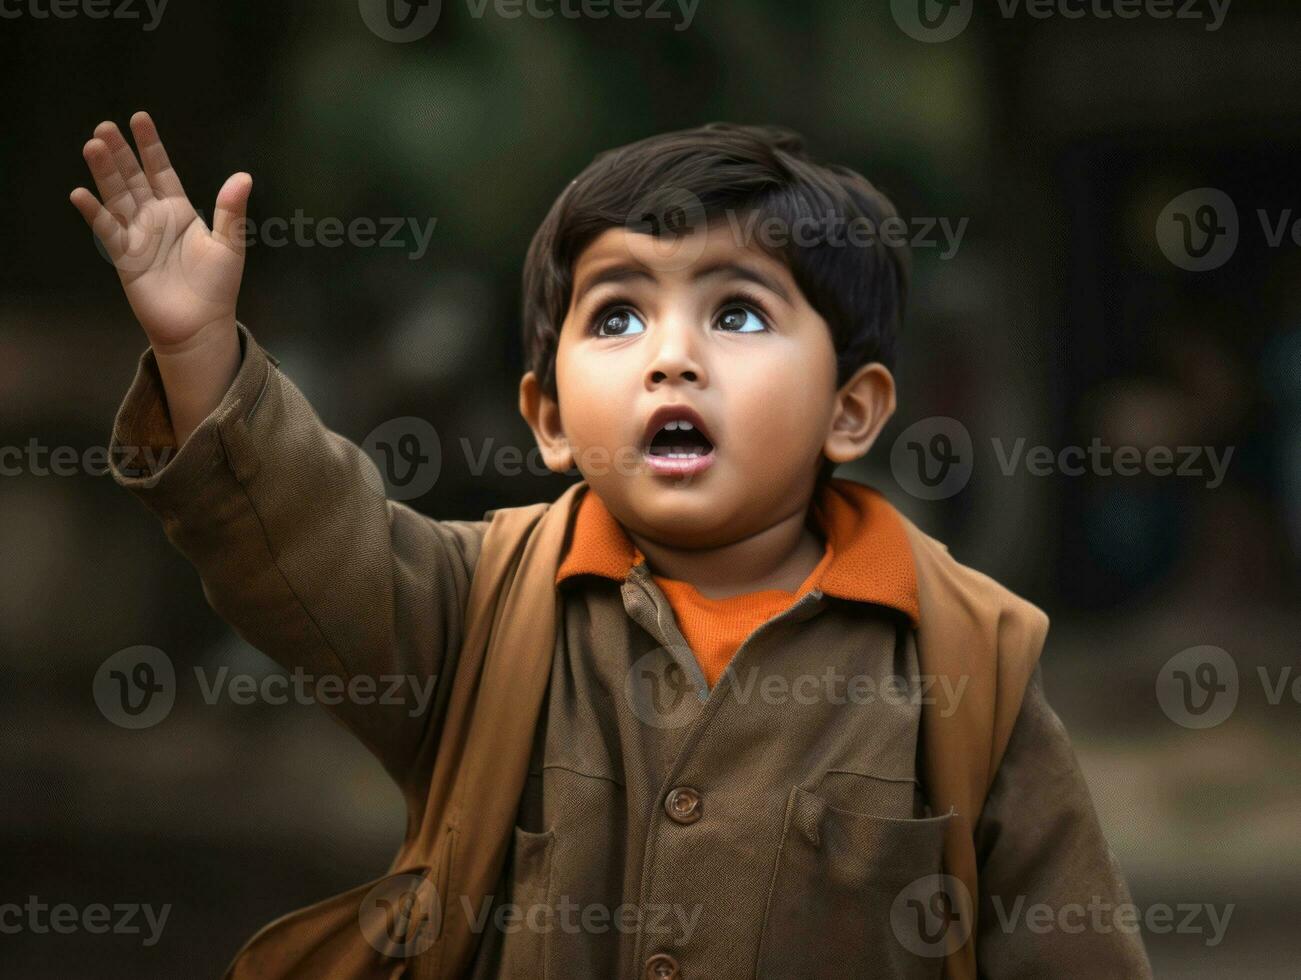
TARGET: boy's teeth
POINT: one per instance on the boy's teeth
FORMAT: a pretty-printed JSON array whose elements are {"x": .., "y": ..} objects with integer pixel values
[{"x": 678, "y": 424}]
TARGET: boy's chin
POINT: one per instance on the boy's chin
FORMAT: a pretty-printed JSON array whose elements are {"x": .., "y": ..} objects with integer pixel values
[{"x": 703, "y": 512}]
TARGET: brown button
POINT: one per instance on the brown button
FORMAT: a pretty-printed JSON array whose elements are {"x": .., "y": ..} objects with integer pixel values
[
  {"x": 662, "y": 966},
  {"x": 683, "y": 804}
]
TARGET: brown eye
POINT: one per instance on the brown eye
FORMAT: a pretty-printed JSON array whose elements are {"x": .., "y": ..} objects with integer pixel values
[
  {"x": 740, "y": 319},
  {"x": 617, "y": 323}
]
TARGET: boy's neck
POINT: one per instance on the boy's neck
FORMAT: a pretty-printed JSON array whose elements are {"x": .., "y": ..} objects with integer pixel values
[{"x": 780, "y": 556}]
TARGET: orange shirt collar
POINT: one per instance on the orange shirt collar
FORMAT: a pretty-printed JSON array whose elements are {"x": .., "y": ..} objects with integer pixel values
[{"x": 871, "y": 560}]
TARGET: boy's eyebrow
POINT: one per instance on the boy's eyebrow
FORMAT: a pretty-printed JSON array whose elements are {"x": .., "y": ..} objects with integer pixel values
[
  {"x": 622, "y": 271},
  {"x": 738, "y": 270}
]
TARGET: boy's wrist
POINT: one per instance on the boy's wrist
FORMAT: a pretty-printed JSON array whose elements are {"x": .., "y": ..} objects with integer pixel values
[
  {"x": 144, "y": 454},
  {"x": 197, "y": 374}
]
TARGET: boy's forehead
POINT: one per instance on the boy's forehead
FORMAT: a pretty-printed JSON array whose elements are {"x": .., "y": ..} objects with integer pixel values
[{"x": 708, "y": 249}]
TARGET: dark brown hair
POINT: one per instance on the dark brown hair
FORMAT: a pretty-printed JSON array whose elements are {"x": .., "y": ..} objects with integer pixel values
[{"x": 668, "y": 184}]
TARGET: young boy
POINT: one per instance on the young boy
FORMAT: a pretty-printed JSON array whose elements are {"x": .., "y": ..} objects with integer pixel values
[{"x": 740, "y": 717}]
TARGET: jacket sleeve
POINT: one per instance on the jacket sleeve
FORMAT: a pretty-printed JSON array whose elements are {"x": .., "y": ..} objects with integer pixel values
[
  {"x": 300, "y": 551},
  {"x": 1053, "y": 901}
]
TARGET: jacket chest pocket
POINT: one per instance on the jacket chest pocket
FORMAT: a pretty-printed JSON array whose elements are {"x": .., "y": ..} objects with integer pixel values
[{"x": 838, "y": 878}]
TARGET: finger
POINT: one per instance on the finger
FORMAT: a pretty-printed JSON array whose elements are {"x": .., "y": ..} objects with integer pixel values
[
  {"x": 124, "y": 159},
  {"x": 106, "y": 227},
  {"x": 228, "y": 224},
  {"x": 112, "y": 187},
  {"x": 158, "y": 169}
]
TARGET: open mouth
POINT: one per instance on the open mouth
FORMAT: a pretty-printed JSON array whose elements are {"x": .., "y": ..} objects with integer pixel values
[
  {"x": 679, "y": 439},
  {"x": 677, "y": 444}
]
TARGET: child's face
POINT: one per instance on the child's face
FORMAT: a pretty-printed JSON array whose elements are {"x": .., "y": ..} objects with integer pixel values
[{"x": 698, "y": 323}]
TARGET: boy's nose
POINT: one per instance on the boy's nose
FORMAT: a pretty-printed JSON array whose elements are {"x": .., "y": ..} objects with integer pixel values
[{"x": 675, "y": 356}]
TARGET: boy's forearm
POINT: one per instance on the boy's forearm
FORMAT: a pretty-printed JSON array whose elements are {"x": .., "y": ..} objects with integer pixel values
[{"x": 197, "y": 374}]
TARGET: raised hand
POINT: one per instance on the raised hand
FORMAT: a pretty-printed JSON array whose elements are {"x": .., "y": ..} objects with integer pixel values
[{"x": 180, "y": 277}]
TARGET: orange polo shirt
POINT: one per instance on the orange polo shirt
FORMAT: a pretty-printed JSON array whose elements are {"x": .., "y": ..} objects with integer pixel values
[{"x": 867, "y": 559}]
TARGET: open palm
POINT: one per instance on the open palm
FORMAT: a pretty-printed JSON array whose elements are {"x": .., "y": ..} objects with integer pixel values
[{"x": 179, "y": 275}]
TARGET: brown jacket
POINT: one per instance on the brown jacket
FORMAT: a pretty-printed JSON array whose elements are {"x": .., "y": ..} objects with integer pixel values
[{"x": 298, "y": 548}]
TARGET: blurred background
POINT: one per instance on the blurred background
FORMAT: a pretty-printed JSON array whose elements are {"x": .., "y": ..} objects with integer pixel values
[{"x": 1102, "y": 293}]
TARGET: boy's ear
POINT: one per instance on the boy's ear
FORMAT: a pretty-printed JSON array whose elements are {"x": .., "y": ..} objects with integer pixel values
[
  {"x": 542, "y": 413},
  {"x": 863, "y": 405}
]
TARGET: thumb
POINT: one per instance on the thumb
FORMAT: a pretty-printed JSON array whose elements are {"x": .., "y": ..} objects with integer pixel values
[{"x": 228, "y": 223}]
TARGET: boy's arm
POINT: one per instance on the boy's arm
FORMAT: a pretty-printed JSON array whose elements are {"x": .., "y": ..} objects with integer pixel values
[
  {"x": 301, "y": 552},
  {"x": 1053, "y": 900}
]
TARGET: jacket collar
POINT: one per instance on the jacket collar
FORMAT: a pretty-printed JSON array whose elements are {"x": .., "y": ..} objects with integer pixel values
[{"x": 871, "y": 559}]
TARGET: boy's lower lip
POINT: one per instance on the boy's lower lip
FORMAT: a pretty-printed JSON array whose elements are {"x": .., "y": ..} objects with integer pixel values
[{"x": 688, "y": 466}]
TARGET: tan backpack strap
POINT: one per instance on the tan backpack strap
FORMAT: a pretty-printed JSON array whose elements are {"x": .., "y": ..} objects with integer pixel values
[
  {"x": 497, "y": 696},
  {"x": 984, "y": 641}
]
